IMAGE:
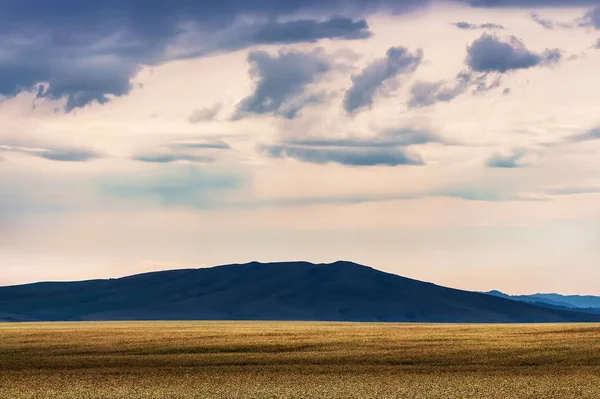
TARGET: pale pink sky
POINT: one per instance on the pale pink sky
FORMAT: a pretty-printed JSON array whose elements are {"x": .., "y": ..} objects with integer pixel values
[{"x": 168, "y": 177}]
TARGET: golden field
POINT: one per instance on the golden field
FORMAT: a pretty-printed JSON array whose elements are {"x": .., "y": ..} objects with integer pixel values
[{"x": 298, "y": 360}]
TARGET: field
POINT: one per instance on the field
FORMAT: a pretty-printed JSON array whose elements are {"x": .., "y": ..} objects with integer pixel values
[{"x": 299, "y": 360}]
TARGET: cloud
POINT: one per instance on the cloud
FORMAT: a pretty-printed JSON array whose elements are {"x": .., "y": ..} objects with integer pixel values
[
  {"x": 423, "y": 94},
  {"x": 205, "y": 114},
  {"x": 384, "y": 149},
  {"x": 281, "y": 81},
  {"x": 573, "y": 190},
  {"x": 196, "y": 40},
  {"x": 486, "y": 56},
  {"x": 82, "y": 52},
  {"x": 54, "y": 154},
  {"x": 89, "y": 52},
  {"x": 397, "y": 61},
  {"x": 308, "y": 30},
  {"x": 592, "y": 134},
  {"x": 470, "y": 26},
  {"x": 345, "y": 156},
  {"x": 210, "y": 144},
  {"x": 545, "y": 23},
  {"x": 506, "y": 161},
  {"x": 490, "y": 54},
  {"x": 176, "y": 185},
  {"x": 551, "y": 56},
  {"x": 178, "y": 151},
  {"x": 172, "y": 157},
  {"x": 428, "y": 93},
  {"x": 130, "y": 187},
  {"x": 529, "y": 3},
  {"x": 389, "y": 138},
  {"x": 470, "y": 193},
  {"x": 597, "y": 44},
  {"x": 591, "y": 18}
]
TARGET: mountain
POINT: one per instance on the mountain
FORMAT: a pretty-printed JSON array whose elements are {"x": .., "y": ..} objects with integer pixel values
[
  {"x": 532, "y": 299},
  {"x": 577, "y": 301},
  {"x": 587, "y": 303},
  {"x": 340, "y": 291}
]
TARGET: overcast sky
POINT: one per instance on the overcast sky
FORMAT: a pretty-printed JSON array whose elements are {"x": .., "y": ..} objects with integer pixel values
[{"x": 452, "y": 142}]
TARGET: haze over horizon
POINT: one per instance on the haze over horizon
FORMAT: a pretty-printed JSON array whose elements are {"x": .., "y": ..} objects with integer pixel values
[{"x": 450, "y": 142}]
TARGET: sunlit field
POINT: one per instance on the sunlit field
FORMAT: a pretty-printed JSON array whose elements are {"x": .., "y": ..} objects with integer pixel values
[{"x": 299, "y": 360}]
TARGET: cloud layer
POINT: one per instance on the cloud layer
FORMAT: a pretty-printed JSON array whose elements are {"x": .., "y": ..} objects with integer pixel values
[
  {"x": 387, "y": 148},
  {"x": 471, "y": 26},
  {"x": 53, "y": 154},
  {"x": 84, "y": 53},
  {"x": 90, "y": 53},
  {"x": 345, "y": 156}
]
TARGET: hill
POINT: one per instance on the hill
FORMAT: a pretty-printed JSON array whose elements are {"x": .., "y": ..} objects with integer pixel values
[{"x": 340, "y": 291}]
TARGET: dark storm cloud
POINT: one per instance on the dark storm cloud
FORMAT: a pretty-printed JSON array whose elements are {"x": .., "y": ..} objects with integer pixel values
[
  {"x": 470, "y": 26},
  {"x": 345, "y": 156},
  {"x": 281, "y": 80},
  {"x": 490, "y": 54},
  {"x": 506, "y": 161},
  {"x": 54, "y": 154},
  {"x": 365, "y": 85}
]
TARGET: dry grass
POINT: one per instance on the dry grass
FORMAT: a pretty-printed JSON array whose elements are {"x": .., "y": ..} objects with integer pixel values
[{"x": 298, "y": 360}]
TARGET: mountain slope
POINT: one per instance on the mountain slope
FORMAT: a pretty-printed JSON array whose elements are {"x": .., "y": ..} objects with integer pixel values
[{"x": 271, "y": 291}]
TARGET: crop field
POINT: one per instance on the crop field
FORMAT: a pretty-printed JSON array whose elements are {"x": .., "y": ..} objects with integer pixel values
[{"x": 298, "y": 360}]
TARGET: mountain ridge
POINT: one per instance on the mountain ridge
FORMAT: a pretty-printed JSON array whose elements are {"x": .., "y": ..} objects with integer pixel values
[
  {"x": 576, "y": 302},
  {"x": 338, "y": 291}
]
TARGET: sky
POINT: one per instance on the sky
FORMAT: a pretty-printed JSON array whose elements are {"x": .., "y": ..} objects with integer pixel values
[{"x": 451, "y": 142}]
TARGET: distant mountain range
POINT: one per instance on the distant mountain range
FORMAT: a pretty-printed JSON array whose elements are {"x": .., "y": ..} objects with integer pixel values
[
  {"x": 580, "y": 303},
  {"x": 340, "y": 291}
]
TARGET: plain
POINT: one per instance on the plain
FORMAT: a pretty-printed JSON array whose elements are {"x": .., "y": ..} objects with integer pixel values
[{"x": 298, "y": 359}]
